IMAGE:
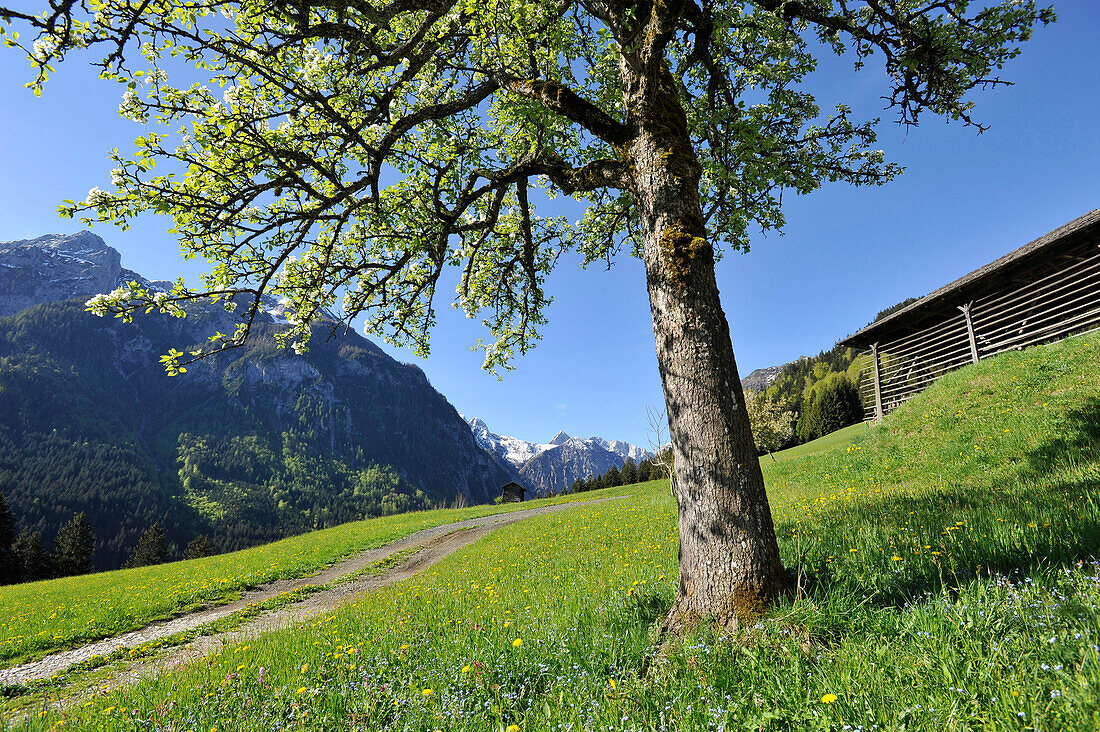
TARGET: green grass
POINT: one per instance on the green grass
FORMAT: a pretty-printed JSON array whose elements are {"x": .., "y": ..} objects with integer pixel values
[
  {"x": 948, "y": 574},
  {"x": 39, "y": 617},
  {"x": 841, "y": 438}
]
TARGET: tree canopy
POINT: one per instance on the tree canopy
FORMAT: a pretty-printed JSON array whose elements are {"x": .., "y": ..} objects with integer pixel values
[
  {"x": 772, "y": 425},
  {"x": 340, "y": 155}
]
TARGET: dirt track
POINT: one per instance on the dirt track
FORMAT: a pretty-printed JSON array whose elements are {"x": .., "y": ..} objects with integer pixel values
[{"x": 430, "y": 546}]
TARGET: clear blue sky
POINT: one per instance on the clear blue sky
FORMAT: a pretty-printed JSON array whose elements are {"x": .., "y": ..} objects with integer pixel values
[{"x": 846, "y": 254}]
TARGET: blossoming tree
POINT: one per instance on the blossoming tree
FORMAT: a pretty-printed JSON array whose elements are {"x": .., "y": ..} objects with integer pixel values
[{"x": 342, "y": 154}]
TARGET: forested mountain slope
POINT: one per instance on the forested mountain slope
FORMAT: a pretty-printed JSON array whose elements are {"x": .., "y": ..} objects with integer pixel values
[{"x": 248, "y": 446}]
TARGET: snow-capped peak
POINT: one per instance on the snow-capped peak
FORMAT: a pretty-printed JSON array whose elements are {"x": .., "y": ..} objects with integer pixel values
[
  {"x": 623, "y": 449},
  {"x": 512, "y": 449},
  {"x": 519, "y": 452}
]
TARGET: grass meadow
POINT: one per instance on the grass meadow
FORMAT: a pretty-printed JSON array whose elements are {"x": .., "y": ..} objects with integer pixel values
[
  {"x": 39, "y": 617},
  {"x": 947, "y": 572}
]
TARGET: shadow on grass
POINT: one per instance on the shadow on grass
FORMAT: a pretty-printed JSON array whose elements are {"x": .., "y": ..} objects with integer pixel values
[
  {"x": 1079, "y": 442},
  {"x": 1049, "y": 518}
]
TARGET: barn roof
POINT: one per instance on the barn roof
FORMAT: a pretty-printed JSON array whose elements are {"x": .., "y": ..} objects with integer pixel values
[{"x": 1043, "y": 253}]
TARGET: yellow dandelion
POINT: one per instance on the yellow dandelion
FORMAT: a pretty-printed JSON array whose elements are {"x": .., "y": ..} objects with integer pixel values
[
  {"x": 828, "y": 698},
  {"x": 517, "y": 642},
  {"x": 427, "y": 692},
  {"x": 513, "y": 728}
]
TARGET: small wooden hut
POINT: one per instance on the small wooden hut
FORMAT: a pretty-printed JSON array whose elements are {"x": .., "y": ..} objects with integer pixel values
[{"x": 512, "y": 493}]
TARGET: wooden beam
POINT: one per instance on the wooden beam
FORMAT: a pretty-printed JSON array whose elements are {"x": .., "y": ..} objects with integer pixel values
[
  {"x": 970, "y": 331},
  {"x": 878, "y": 382}
]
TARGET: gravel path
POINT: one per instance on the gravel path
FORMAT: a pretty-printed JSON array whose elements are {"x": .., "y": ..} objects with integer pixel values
[{"x": 430, "y": 545}]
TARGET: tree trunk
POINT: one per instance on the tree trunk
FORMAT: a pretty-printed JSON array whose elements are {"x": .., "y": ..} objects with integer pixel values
[{"x": 730, "y": 568}]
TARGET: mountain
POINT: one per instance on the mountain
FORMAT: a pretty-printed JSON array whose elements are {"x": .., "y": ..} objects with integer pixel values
[
  {"x": 250, "y": 445},
  {"x": 553, "y": 466},
  {"x": 622, "y": 449},
  {"x": 55, "y": 267},
  {"x": 512, "y": 449},
  {"x": 761, "y": 379},
  {"x": 555, "y": 470}
]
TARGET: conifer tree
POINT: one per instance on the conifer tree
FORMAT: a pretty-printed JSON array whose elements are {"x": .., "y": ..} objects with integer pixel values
[
  {"x": 8, "y": 569},
  {"x": 150, "y": 549},
  {"x": 72, "y": 553},
  {"x": 31, "y": 559},
  {"x": 612, "y": 477},
  {"x": 577, "y": 487},
  {"x": 198, "y": 547},
  {"x": 833, "y": 405},
  {"x": 629, "y": 473},
  {"x": 7, "y": 524}
]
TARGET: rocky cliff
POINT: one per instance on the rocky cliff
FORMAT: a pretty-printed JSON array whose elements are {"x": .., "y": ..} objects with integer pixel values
[{"x": 53, "y": 268}]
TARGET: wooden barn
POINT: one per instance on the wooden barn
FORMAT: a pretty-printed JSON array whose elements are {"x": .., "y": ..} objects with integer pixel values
[
  {"x": 1044, "y": 291},
  {"x": 512, "y": 493}
]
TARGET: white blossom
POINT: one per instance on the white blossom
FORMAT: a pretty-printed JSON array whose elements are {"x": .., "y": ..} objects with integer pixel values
[
  {"x": 43, "y": 47},
  {"x": 132, "y": 108},
  {"x": 98, "y": 197},
  {"x": 101, "y": 304}
]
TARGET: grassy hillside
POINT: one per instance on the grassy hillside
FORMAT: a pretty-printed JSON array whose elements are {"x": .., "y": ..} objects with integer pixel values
[
  {"x": 39, "y": 617},
  {"x": 947, "y": 571},
  {"x": 841, "y": 438}
]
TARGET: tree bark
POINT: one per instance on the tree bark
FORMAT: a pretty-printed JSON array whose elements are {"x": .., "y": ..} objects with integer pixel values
[{"x": 730, "y": 568}]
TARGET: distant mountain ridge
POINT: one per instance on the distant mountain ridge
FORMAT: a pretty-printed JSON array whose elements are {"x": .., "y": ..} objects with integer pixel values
[
  {"x": 761, "y": 379},
  {"x": 552, "y": 467},
  {"x": 250, "y": 445}
]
